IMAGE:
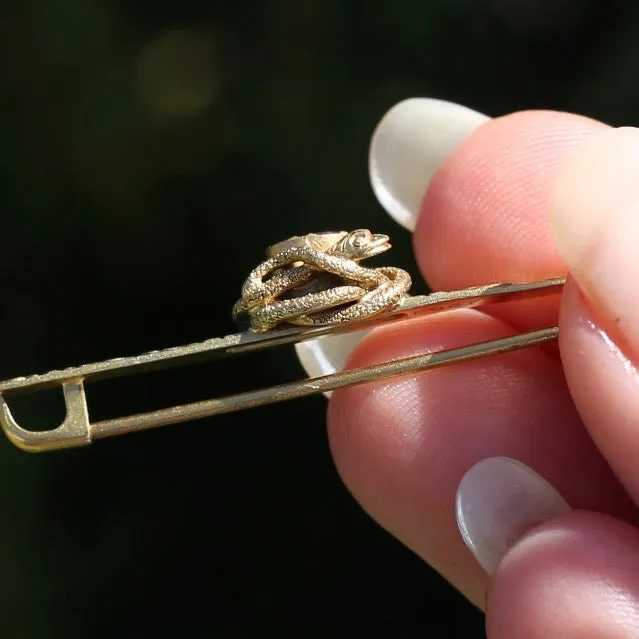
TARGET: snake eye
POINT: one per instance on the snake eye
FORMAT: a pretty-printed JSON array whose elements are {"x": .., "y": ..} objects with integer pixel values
[{"x": 359, "y": 240}]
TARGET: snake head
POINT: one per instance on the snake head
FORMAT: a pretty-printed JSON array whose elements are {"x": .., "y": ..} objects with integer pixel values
[{"x": 361, "y": 244}]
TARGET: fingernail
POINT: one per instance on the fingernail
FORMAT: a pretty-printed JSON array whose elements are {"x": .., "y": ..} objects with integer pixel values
[
  {"x": 595, "y": 224},
  {"x": 498, "y": 501},
  {"x": 327, "y": 355},
  {"x": 409, "y": 145}
]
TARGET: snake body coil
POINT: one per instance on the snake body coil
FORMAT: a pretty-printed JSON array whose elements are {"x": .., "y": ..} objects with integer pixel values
[{"x": 316, "y": 280}]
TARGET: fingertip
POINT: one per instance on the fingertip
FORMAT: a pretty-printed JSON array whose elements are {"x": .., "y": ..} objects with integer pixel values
[
  {"x": 574, "y": 576},
  {"x": 604, "y": 385},
  {"x": 484, "y": 216},
  {"x": 595, "y": 223},
  {"x": 402, "y": 446}
]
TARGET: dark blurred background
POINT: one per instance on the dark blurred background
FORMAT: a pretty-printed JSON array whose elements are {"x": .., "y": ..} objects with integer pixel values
[{"x": 147, "y": 148}]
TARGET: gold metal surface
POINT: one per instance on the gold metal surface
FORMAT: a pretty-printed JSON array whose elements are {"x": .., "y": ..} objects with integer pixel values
[
  {"x": 317, "y": 280},
  {"x": 77, "y": 428}
]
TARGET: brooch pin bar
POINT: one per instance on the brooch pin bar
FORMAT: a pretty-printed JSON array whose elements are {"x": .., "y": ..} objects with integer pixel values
[{"x": 308, "y": 288}]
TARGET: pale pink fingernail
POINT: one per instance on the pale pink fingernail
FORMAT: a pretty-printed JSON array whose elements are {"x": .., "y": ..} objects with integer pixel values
[
  {"x": 409, "y": 145},
  {"x": 498, "y": 501}
]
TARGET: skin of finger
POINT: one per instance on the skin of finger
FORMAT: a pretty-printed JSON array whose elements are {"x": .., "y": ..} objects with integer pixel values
[
  {"x": 484, "y": 218},
  {"x": 402, "y": 446},
  {"x": 604, "y": 384},
  {"x": 574, "y": 576}
]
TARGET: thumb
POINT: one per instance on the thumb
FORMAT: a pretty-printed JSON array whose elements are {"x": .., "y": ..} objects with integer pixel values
[{"x": 595, "y": 223}]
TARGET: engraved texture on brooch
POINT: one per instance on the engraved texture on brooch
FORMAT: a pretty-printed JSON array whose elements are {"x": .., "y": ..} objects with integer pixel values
[{"x": 317, "y": 280}]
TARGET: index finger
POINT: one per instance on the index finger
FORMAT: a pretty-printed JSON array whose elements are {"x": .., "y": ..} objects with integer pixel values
[{"x": 484, "y": 218}]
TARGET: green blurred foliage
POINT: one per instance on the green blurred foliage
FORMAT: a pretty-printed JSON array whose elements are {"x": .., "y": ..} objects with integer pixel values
[{"x": 144, "y": 149}]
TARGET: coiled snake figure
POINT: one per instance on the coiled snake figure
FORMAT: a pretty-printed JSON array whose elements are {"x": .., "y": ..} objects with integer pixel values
[{"x": 316, "y": 280}]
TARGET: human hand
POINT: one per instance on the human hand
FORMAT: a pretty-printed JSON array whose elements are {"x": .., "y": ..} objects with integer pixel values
[{"x": 524, "y": 197}]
